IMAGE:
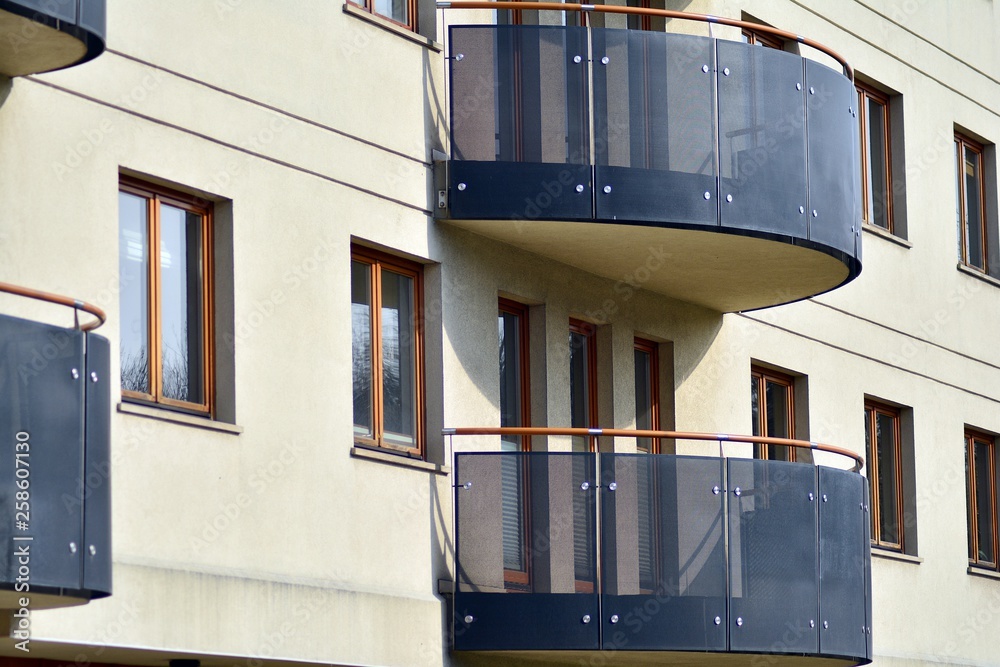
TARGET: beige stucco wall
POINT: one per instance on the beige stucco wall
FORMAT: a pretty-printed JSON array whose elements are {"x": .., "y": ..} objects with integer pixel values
[{"x": 318, "y": 127}]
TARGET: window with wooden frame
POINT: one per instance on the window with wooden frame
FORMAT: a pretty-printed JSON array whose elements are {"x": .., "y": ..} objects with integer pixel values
[
  {"x": 981, "y": 496},
  {"x": 970, "y": 200},
  {"x": 515, "y": 406},
  {"x": 751, "y": 36},
  {"x": 402, "y": 12},
  {"x": 772, "y": 404},
  {"x": 387, "y": 345},
  {"x": 647, "y": 394},
  {"x": 876, "y": 160},
  {"x": 165, "y": 272},
  {"x": 583, "y": 382},
  {"x": 883, "y": 443}
]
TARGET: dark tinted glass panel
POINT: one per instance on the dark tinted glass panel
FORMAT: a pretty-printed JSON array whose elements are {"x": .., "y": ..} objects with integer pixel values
[
  {"x": 398, "y": 359},
  {"x": 971, "y": 168},
  {"x": 508, "y": 325},
  {"x": 984, "y": 502},
  {"x": 762, "y": 139},
  {"x": 773, "y": 556},
  {"x": 843, "y": 552},
  {"x": 133, "y": 267},
  {"x": 181, "y": 319},
  {"x": 361, "y": 347}
]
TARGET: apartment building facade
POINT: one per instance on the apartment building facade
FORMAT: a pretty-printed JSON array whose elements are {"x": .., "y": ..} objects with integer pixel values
[{"x": 635, "y": 235}]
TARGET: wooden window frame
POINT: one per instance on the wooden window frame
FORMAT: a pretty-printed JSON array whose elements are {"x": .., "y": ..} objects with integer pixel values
[
  {"x": 155, "y": 196},
  {"x": 971, "y": 438},
  {"x": 589, "y": 331},
  {"x": 377, "y": 261},
  {"x": 962, "y": 144},
  {"x": 762, "y": 376},
  {"x": 872, "y": 410},
  {"x": 764, "y": 39},
  {"x": 866, "y": 93},
  {"x": 653, "y": 350},
  {"x": 411, "y": 10},
  {"x": 518, "y": 580}
]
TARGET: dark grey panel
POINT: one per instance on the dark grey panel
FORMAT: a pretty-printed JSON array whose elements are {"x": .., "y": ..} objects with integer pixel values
[
  {"x": 773, "y": 557},
  {"x": 95, "y": 491},
  {"x": 550, "y": 622},
  {"x": 663, "y": 552},
  {"x": 44, "y": 400},
  {"x": 842, "y": 563},
  {"x": 64, "y": 10},
  {"x": 654, "y": 127},
  {"x": 93, "y": 16},
  {"x": 833, "y": 179},
  {"x": 868, "y": 573},
  {"x": 519, "y": 191},
  {"x": 520, "y": 94},
  {"x": 762, "y": 143}
]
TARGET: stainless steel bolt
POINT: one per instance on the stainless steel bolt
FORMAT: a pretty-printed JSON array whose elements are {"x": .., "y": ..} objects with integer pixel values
[
  {"x": 72, "y": 547},
  {"x": 607, "y": 189},
  {"x": 739, "y": 620},
  {"x": 461, "y": 186},
  {"x": 718, "y": 621},
  {"x": 469, "y": 618},
  {"x": 579, "y": 188},
  {"x": 605, "y": 60},
  {"x": 75, "y": 373},
  {"x": 584, "y": 486},
  {"x": 738, "y": 491},
  {"x": 93, "y": 550},
  {"x": 93, "y": 376},
  {"x": 729, "y": 198},
  {"x": 708, "y": 195},
  {"x": 726, "y": 71},
  {"x": 612, "y": 486},
  {"x": 614, "y": 618},
  {"x": 586, "y": 618}
]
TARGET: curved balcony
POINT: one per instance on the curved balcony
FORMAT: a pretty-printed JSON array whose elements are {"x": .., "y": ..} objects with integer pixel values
[
  {"x": 44, "y": 35},
  {"x": 55, "y": 487},
  {"x": 659, "y": 559},
  {"x": 712, "y": 171}
]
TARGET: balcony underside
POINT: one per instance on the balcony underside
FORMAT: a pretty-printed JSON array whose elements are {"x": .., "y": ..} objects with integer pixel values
[
  {"x": 633, "y": 658},
  {"x": 726, "y": 272},
  {"x": 44, "y": 36}
]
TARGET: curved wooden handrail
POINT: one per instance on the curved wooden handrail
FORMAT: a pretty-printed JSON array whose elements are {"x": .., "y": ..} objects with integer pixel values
[
  {"x": 643, "y": 11},
  {"x": 859, "y": 461},
  {"x": 58, "y": 299}
]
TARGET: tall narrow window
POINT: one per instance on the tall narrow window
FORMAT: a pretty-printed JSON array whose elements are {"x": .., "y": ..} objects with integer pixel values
[
  {"x": 647, "y": 394},
  {"x": 883, "y": 443},
  {"x": 583, "y": 381},
  {"x": 875, "y": 158},
  {"x": 583, "y": 414},
  {"x": 773, "y": 411},
  {"x": 751, "y": 36},
  {"x": 403, "y": 12},
  {"x": 512, "y": 326},
  {"x": 981, "y": 470},
  {"x": 387, "y": 351},
  {"x": 970, "y": 201},
  {"x": 164, "y": 259}
]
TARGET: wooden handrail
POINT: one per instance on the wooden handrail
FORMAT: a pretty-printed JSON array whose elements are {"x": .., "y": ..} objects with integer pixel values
[
  {"x": 644, "y": 11},
  {"x": 58, "y": 299},
  {"x": 859, "y": 461}
]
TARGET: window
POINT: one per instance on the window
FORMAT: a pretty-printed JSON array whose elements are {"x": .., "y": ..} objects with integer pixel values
[
  {"x": 512, "y": 325},
  {"x": 583, "y": 381},
  {"x": 515, "y": 403},
  {"x": 970, "y": 199},
  {"x": 876, "y": 168},
  {"x": 751, "y": 36},
  {"x": 981, "y": 471},
  {"x": 165, "y": 270},
  {"x": 772, "y": 400},
  {"x": 883, "y": 442},
  {"x": 403, "y": 12},
  {"x": 647, "y": 394},
  {"x": 387, "y": 348}
]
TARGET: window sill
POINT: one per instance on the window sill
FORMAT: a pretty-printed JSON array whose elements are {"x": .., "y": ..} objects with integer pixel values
[
  {"x": 896, "y": 556},
  {"x": 887, "y": 235},
  {"x": 397, "y": 460},
  {"x": 394, "y": 28},
  {"x": 178, "y": 418},
  {"x": 977, "y": 274},
  {"x": 983, "y": 572}
]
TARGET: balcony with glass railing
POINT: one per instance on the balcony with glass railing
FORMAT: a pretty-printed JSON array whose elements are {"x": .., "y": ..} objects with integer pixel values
[
  {"x": 44, "y": 35},
  {"x": 727, "y": 170},
  {"x": 624, "y": 559},
  {"x": 55, "y": 441}
]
